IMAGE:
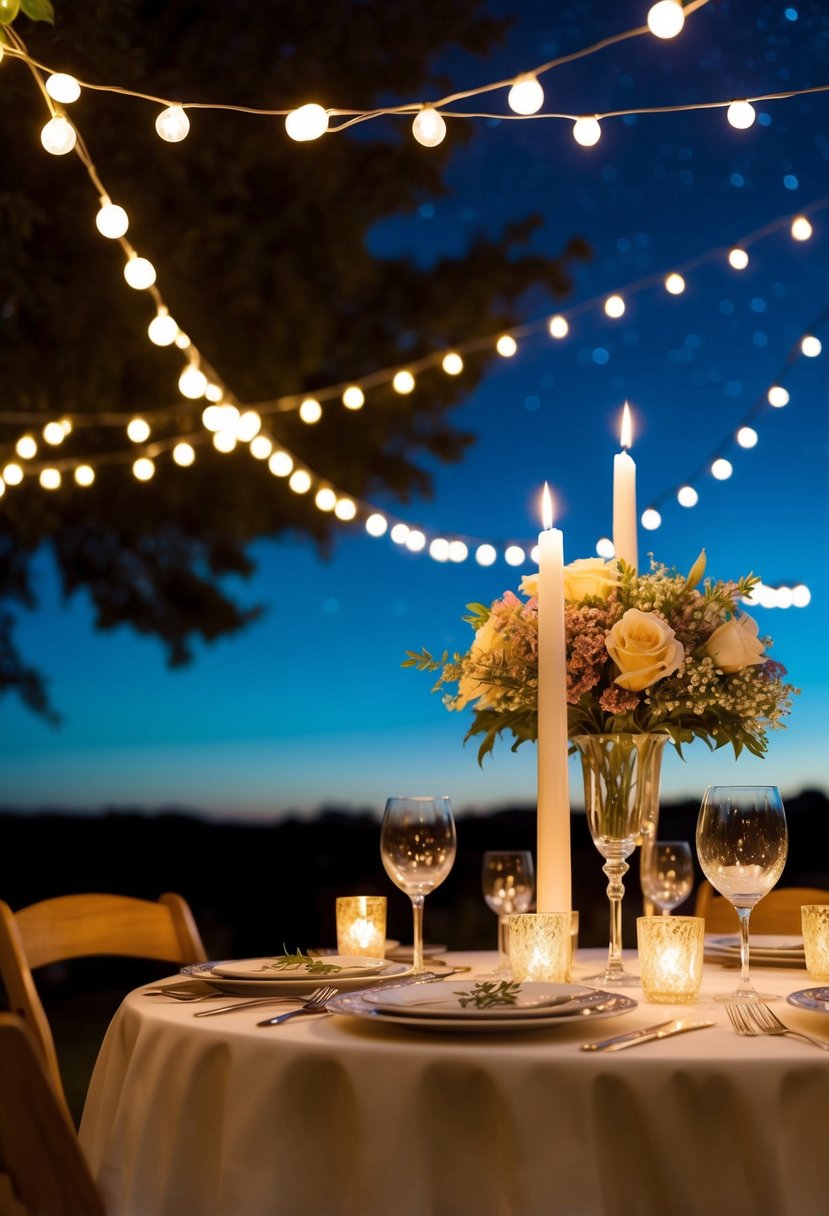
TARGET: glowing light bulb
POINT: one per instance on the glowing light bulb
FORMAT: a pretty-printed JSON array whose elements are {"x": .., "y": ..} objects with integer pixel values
[
  {"x": 666, "y": 18},
  {"x": 377, "y": 524},
  {"x": 261, "y": 447},
  {"x": 452, "y": 364},
  {"x": 299, "y": 481},
  {"x": 50, "y": 479},
  {"x": 138, "y": 430},
  {"x": 84, "y": 475},
  {"x": 353, "y": 398},
  {"x": 687, "y": 496},
  {"x": 224, "y": 441},
  {"x": 558, "y": 327},
  {"x": 248, "y": 426},
  {"x": 139, "y": 273},
  {"x": 111, "y": 221},
  {"x": 801, "y": 595},
  {"x": 429, "y": 127},
  {"x": 415, "y": 541},
  {"x": 722, "y": 469},
  {"x": 213, "y": 392},
  {"x": 614, "y": 306},
  {"x": 738, "y": 259},
  {"x": 307, "y": 122},
  {"x": 747, "y": 437},
  {"x": 192, "y": 382},
  {"x": 162, "y": 330},
  {"x": 184, "y": 454},
  {"x": 403, "y": 383},
  {"x": 63, "y": 88},
  {"x": 741, "y": 114},
  {"x": 173, "y": 124},
  {"x": 801, "y": 228},
  {"x": 485, "y": 555},
  {"x": 604, "y": 548},
  {"x": 182, "y": 341},
  {"x": 213, "y": 417},
  {"x": 325, "y": 499},
  {"x": 26, "y": 447},
  {"x": 506, "y": 346},
  {"x": 778, "y": 396},
  {"x": 458, "y": 551},
  {"x": 526, "y": 96},
  {"x": 66, "y": 425},
  {"x": 12, "y": 474},
  {"x": 310, "y": 411},
  {"x": 675, "y": 284},
  {"x": 439, "y": 549},
  {"x": 514, "y": 555},
  {"x": 143, "y": 468},
  {"x": 811, "y": 346},
  {"x": 281, "y": 464},
  {"x": 54, "y": 433},
  {"x": 399, "y": 533},
  {"x": 58, "y": 136},
  {"x": 345, "y": 509},
  {"x": 651, "y": 519},
  {"x": 587, "y": 132}
]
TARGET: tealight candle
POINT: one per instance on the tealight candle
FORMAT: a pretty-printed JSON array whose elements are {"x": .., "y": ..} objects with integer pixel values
[
  {"x": 815, "y": 921},
  {"x": 361, "y": 925},
  {"x": 540, "y": 946},
  {"x": 670, "y": 957}
]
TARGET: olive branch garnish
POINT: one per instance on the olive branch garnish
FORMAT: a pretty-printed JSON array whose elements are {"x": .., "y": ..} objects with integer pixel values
[
  {"x": 488, "y": 993},
  {"x": 293, "y": 962}
]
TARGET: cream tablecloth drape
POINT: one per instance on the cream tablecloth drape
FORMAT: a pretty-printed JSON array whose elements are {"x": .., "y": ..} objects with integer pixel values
[{"x": 332, "y": 1117}]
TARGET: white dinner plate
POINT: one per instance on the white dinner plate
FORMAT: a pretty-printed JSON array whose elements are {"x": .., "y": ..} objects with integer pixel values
[
  {"x": 405, "y": 954},
  {"x": 816, "y": 1000},
  {"x": 282, "y": 968},
  {"x": 353, "y": 1005},
  {"x": 766, "y": 949},
  {"x": 343, "y": 982},
  {"x": 452, "y": 1000}
]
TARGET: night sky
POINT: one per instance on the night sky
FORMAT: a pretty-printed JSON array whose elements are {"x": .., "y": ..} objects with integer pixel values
[{"x": 310, "y": 705}]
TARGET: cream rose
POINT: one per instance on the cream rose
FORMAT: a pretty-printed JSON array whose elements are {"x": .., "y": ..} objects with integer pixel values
[
  {"x": 735, "y": 644},
  {"x": 529, "y": 585},
  {"x": 487, "y": 641},
  {"x": 589, "y": 576},
  {"x": 644, "y": 648}
]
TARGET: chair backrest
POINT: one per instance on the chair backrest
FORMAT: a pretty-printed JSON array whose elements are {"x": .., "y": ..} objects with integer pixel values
[
  {"x": 777, "y": 912},
  {"x": 81, "y": 926},
  {"x": 43, "y": 1171}
]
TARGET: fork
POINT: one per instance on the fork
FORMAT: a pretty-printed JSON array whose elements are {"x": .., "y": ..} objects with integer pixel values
[
  {"x": 315, "y": 1004},
  {"x": 757, "y": 1018}
]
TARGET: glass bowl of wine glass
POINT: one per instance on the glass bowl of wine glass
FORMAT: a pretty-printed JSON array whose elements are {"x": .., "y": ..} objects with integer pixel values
[{"x": 508, "y": 882}]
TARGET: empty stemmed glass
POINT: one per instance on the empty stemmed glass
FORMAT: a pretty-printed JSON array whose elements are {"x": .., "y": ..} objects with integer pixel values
[
  {"x": 668, "y": 878},
  {"x": 507, "y": 879},
  {"x": 742, "y": 842},
  {"x": 418, "y": 845}
]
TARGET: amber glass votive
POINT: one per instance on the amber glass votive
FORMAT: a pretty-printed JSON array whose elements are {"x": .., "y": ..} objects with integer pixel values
[
  {"x": 540, "y": 946},
  {"x": 361, "y": 925},
  {"x": 670, "y": 957},
  {"x": 815, "y": 921}
]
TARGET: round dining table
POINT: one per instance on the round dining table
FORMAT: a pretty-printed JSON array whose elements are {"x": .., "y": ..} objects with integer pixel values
[{"x": 336, "y": 1115}]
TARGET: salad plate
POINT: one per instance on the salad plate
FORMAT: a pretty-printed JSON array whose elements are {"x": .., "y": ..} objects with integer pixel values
[
  {"x": 816, "y": 1000},
  {"x": 460, "y": 1001},
  {"x": 280, "y": 968},
  {"x": 296, "y": 985}
]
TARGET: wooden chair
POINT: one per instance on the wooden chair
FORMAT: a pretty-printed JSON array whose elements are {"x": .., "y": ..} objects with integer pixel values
[
  {"x": 82, "y": 926},
  {"x": 43, "y": 1171},
  {"x": 777, "y": 912}
]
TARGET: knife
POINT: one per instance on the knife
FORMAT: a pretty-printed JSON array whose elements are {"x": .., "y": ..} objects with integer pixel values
[{"x": 662, "y": 1030}]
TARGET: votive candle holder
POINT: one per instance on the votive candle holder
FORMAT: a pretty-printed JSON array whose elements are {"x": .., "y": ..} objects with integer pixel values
[
  {"x": 361, "y": 925},
  {"x": 670, "y": 957},
  {"x": 540, "y": 946},
  {"x": 815, "y": 921}
]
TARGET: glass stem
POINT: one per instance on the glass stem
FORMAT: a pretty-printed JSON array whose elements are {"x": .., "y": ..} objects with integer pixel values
[
  {"x": 503, "y": 943},
  {"x": 745, "y": 984},
  {"x": 615, "y": 869},
  {"x": 417, "y": 955}
]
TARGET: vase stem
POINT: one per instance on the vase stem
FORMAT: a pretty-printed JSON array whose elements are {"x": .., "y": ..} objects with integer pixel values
[{"x": 615, "y": 868}]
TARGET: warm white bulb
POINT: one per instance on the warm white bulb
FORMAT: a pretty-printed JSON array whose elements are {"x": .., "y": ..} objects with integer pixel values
[
  {"x": 666, "y": 18},
  {"x": 415, "y": 541},
  {"x": 213, "y": 417},
  {"x": 801, "y": 228},
  {"x": 345, "y": 509},
  {"x": 84, "y": 475},
  {"x": 439, "y": 549},
  {"x": 738, "y": 259},
  {"x": 399, "y": 533},
  {"x": 54, "y": 433},
  {"x": 248, "y": 426},
  {"x": 377, "y": 524},
  {"x": 587, "y": 132},
  {"x": 26, "y": 447},
  {"x": 485, "y": 555},
  {"x": 614, "y": 306},
  {"x": 506, "y": 346},
  {"x": 162, "y": 330},
  {"x": 213, "y": 392},
  {"x": 452, "y": 364},
  {"x": 403, "y": 383},
  {"x": 111, "y": 221},
  {"x": 429, "y": 127},
  {"x": 310, "y": 411},
  {"x": 50, "y": 479},
  {"x": 741, "y": 114},
  {"x": 184, "y": 454},
  {"x": 58, "y": 136},
  {"x": 325, "y": 499},
  {"x": 173, "y": 124},
  {"x": 12, "y": 474},
  {"x": 722, "y": 469},
  {"x": 299, "y": 481},
  {"x": 558, "y": 327},
  {"x": 63, "y": 88},
  {"x": 687, "y": 496},
  {"x": 192, "y": 382},
  {"x": 139, "y": 273},
  {"x": 526, "y": 96},
  {"x": 353, "y": 398},
  {"x": 604, "y": 548},
  {"x": 747, "y": 437},
  {"x": 307, "y": 122},
  {"x": 514, "y": 555},
  {"x": 778, "y": 396},
  {"x": 458, "y": 551},
  {"x": 138, "y": 429},
  {"x": 651, "y": 519},
  {"x": 261, "y": 447},
  {"x": 801, "y": 595},
  {"x": 143, "y": 468},
  {"x": 281, "y": 464},
  {"x": 182, "y": 340},
  {"x": 224, "y": 442},
  {"x": 811, "y": 346},
  {"x": 675, "y": 284}
]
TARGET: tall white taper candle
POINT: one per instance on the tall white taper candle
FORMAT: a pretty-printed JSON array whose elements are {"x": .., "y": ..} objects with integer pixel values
[{"x": 624, "y": 499}]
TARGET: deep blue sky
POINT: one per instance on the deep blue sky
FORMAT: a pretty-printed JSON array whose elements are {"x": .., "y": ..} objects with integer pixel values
[{"x": 311, "y": 704}]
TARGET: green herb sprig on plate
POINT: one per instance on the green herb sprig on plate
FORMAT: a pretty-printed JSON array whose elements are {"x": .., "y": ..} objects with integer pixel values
[{"x": 488, "y": 993}]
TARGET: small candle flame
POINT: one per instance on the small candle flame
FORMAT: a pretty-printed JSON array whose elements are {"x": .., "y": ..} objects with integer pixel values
[
  {"x": 627, "y": 427},
  {"x": 546, "y": 508}
]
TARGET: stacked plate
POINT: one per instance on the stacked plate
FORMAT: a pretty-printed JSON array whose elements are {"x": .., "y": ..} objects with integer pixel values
[
  {"x": 451, "y": 1006},
  {"x": 765, "y": 951},
  {"x": 294, "y": 976}
]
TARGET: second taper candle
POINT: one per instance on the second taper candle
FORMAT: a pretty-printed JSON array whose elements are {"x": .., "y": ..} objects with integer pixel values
[{"x": 624, "y": 498}]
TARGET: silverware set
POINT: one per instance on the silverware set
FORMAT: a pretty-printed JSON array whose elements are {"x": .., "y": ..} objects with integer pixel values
[{"x": 754, "y": 1017}]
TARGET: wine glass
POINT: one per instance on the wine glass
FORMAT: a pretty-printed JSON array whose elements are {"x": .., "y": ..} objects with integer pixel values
[
  {"x": 742, "y": 841},
  {"x": 668, "y": 877},
  {"x": 507, "y": 879},
  {"x": 418, "y": 845}
]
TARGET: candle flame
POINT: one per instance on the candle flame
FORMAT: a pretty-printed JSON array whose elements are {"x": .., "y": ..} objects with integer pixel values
[
  {"x": 627, "y": 427},
  {"x": 546, "y": 508}
]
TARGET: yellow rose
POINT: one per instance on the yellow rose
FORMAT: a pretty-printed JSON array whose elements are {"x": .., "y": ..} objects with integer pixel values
[
  {"x": 735, "y": 644},
  {"x": 589, "y": 576},
  {"x": 529, "y": 585},
  {"x": 487, "y": 641},
  {"x": 644, "y": 648}
]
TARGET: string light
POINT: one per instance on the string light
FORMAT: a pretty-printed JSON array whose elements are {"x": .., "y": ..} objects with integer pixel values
[
  {"x": 558, "y": 327},
  {"x": 54, "y": 433},
  {"x": 346, "y": 510},
  {"x": 747, "y": 437},
  {"x": 666, "y": 18},
  {"x": 429, "y": 127},
  {"x": 310, "y": 411},
  {"x": 162, "y": 330},
  {"x": 84, "y": 475},
  {"x": 63, "y": 88},
  {"x": 801, "y": 228},
  {"x": 50, "y": 479},
  {"x": 184, "y": 455},
  {"x": 741, "y": 114},
  {"x": 172, "y": 124},
  {"x": 26, "y": 447},
  {"x": 506, "y": 346},
  {"x": 280, "y": 464},
  {"x": 587, "y": 131},
  {"x": 526, "y": 96},
  {"x": 675, "y": 284},
  {"x": 651, "y": 519},
  {"x": 261, "y": 447},
  {"x": 721, "y": 469},
  {"x": 605, "y": 548},
  {"x": 111, "y": 221},
  {"x": 307, "y": 123},
  {"x": 12, "y": 474},
  {"x": 514, "y": 555},
  {"x": 687, "y": 496},
  {"x": 452, "y": 363},
  {"x": 139, "y": 272},
  {"x": 224, "y": 442},
  {"x": 58, "y": 136},
  {"x": 778, "y": 396},
  {"x": 738, "y": 259},
  {"x": 143, "y": 468},
  {"x": 325, "y": 499},
  {"x": 614, "y": 307},
  {"x": 138, "y": 430},
  {"x": 486, "y": 555},
  {"x": 248, "y": 426},
  {"x": 353, "y": 397},
  {"x": 192, "y": 382},
  {"x": 403, "y": 383},
  {"x": 811, "y": 346},
  {"x": 299, "y": 481},
  {"x": 377, "y": 524}
]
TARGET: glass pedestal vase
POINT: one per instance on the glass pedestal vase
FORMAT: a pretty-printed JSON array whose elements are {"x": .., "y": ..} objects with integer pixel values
[{"x": 621, "y": 798}]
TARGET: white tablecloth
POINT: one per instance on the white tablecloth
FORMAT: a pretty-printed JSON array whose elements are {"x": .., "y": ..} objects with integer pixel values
[{"x": 335, "y": 1117}]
